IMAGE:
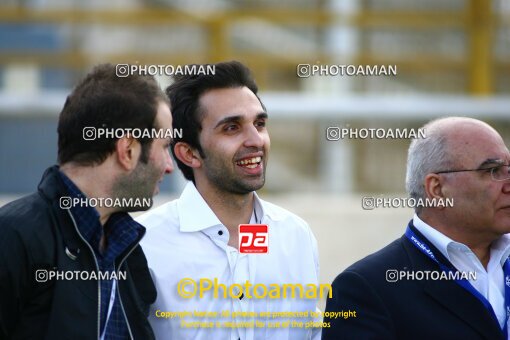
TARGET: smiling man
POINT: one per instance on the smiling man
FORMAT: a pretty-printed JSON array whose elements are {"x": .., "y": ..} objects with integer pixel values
[
  {"x": 448, "y": 277},
  {"x": 223, "y": 153}
]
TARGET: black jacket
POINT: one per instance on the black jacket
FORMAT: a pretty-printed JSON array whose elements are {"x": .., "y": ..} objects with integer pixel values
[
  {"x": 36, "y": 234},
  {"x": 407, "y": 309}
]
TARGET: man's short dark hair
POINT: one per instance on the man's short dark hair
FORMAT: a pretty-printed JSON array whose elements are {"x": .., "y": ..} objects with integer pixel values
[
  {"x": 184, "y": 95},
  {"x": 104, "y": 100}
]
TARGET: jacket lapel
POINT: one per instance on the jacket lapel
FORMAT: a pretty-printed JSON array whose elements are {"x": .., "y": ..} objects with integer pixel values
[{"x": 450, "y": 294}]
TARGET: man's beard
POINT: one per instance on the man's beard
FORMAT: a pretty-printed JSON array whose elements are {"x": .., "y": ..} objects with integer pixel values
[{"x": 138, "y": 185}]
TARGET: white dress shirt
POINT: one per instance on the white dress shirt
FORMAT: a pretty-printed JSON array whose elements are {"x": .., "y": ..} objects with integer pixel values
[
  {"x": 489, "y": 283},
  {"x": 185, "y": 239}
]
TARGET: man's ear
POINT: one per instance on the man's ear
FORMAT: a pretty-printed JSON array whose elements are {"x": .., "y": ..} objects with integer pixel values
[
  {"x": 128, "y": 151},
  {"x": 433, "y": 186},
  {"x": 188, "y": 155}
]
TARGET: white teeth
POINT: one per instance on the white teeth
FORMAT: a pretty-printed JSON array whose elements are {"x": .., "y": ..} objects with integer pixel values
[{"x": 253, "y": 162}]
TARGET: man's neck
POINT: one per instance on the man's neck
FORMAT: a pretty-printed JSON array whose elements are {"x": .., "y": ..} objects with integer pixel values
[
  {"x": 90, "y": 183},
  {"x": 480, "y": 244},
  {"x": 231, "y": 209},
  {"x": 483, "y": 253}
]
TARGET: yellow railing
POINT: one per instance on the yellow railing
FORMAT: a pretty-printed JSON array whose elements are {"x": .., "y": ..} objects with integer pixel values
[{"x": 477, "y": 21}]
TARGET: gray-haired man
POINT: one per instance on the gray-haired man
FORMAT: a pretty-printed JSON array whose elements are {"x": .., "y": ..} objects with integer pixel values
[{"x": 445, "y": 278}]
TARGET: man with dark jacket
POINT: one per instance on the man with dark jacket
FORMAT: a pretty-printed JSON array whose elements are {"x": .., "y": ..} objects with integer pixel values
[
  {"x": 70, "y": 263},
  {"x": 448, "y": 276}
]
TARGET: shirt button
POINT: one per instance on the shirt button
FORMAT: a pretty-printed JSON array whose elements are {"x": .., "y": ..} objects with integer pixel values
[{"x": 220, "y": 232}]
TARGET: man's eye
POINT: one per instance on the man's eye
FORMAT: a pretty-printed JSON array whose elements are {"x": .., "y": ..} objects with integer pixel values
[
  {"x": 231, "y": 127},
  {"x": 497, "y": 170},
  {"x": 502, "y": 169}
]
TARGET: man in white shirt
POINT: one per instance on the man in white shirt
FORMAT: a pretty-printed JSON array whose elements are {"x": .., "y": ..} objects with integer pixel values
[
  {"x": 193, "y": 245},
  {"x": 449, "y": 275}
]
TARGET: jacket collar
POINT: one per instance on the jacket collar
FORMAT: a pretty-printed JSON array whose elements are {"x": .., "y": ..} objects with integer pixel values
[
  {"x": 52, "y": 189},
  {"x": 51, "y": 185}
]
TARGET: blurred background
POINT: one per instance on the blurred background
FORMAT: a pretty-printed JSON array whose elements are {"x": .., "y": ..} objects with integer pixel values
[{"x": 452, "y": 58}]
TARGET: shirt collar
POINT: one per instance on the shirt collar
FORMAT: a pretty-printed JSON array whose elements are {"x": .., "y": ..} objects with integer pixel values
[
  {"x": 124, "y": 231},
  {"x": 438, "y": 239},
  {"x": 499, "y": 248},
  {"x": 195, "y": 214}
]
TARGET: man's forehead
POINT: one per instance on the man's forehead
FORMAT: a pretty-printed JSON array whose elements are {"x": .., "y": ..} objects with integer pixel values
[
  {"x": 471, "y": 143},
  {"x": 240, "y": 102},
  {"x": 481, "y": 154},
  {"x": 473, "y": 135}
]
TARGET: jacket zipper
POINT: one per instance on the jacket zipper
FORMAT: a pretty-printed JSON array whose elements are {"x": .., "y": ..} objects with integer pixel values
[
  {"x": 98, "y": 288},
  {"x": 97, "y": 268},
  {"x": 118, "y": 288}
]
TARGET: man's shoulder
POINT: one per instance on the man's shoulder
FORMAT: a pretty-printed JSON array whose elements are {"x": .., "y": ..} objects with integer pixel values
[
  {"x": 374, "y": 272},
  {"x": 277, "y": 213},
  {"x": 286, "y": 222},
  {"x": 392, "y": 256},
  {"x": 164, "y": 215},
  {"x": 27, "y": 223},
  {"x": 27, "y": 213}
]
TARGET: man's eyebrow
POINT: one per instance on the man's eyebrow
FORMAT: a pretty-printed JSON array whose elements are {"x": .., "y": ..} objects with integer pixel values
[
  {"x": 262, "y": 115},
  {"x": 491, "y": 161},
  {"x": 228, "y": 120}
]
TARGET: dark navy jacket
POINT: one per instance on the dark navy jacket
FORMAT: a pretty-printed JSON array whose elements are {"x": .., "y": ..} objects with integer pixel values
[{"x": 407, "y": 309}]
